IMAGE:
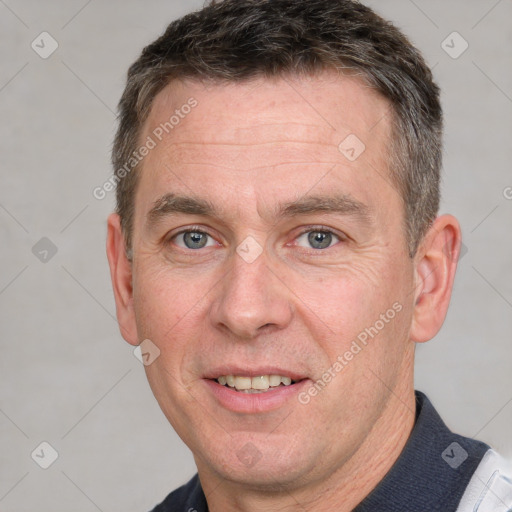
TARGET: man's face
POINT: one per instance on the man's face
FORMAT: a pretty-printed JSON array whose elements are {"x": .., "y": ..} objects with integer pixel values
[{"x": 261, "y": 248}]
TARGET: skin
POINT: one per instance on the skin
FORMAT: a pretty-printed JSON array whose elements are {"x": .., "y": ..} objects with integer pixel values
[{"x": 248, "y": 148}]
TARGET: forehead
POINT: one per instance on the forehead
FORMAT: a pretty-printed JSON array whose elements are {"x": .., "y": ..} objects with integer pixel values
[
  {"x": 325, "y": 104},
  {"x": 297, "y": 129}
]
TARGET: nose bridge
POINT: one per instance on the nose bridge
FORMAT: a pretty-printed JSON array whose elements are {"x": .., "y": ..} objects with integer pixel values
[{"x": 251, "y": 297}]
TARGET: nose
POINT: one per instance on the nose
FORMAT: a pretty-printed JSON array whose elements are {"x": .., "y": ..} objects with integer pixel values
[{"x": 251, "y": 300}]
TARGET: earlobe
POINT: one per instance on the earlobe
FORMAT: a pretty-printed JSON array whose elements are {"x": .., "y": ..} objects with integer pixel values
[
  {"x": 121, "y": 275},
  {"x": 435, "y": 266}
]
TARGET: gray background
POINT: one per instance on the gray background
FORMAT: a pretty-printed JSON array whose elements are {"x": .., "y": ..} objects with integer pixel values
[{"x": 69, "y": 379}]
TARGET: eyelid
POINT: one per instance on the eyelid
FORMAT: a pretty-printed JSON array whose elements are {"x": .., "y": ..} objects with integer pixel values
[
  {"x": 307, "y": 229},
  {"x": 189, "y": 229},
  {"x": 323, "y": 229}
]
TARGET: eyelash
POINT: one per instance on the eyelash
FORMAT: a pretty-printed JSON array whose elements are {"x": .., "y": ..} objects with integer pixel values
[
  {"x": 309, "y": 229},
  {"x": 193, "y": 229},
  {"x": 321, "y": 229}
]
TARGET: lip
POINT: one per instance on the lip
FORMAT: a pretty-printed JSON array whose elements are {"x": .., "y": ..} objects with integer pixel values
[
  {"x": 253, "y": 403},
  {"x": 215, "y": 373}
]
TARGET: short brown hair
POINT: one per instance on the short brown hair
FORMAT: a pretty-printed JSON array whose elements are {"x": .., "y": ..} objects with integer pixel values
[{"x": 234, "y": 40}]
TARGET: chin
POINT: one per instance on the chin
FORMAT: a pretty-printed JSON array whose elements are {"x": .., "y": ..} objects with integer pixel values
[
  {"x": 268, "y": 477},
  {"x": 267, "y": 469}
]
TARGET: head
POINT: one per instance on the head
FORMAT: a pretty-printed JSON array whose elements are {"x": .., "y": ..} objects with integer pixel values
[{"x": 282, "y": 217}]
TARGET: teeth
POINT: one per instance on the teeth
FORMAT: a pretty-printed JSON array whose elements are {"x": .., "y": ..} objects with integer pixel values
[
  {"x": 275, "y": 380},
  {"x": 254, "y": 384},
  {"x": 262, "y": 382},
  {"x": 242, "y": 383}
]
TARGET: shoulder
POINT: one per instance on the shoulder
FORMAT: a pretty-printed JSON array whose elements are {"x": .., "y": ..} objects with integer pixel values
[{"x": 187, "y": 498}]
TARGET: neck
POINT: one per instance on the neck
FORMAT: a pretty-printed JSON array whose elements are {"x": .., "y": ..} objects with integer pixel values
[{"x": 345, "y": 487}]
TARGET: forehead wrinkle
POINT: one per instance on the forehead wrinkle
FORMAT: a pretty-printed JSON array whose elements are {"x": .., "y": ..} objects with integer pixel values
[
  {"x": 239, "y": 144},
  {"x": 255, "y": 126},
  {"x": 269, "y": 166},
  {"x": 238, "y": 156}
]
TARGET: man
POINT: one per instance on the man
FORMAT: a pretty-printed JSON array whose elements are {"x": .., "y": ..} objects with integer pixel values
[{"x": 278, "y": 252}]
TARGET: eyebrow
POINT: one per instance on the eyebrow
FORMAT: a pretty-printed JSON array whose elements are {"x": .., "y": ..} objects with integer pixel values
[
  {"x": 340, "y": 204},
  {"x": 173, "y": 204}
]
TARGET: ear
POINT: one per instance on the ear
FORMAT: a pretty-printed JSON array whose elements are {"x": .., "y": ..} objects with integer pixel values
[
  {"x": 434, "y": 268},
  {"x": 121, "y": 274}
]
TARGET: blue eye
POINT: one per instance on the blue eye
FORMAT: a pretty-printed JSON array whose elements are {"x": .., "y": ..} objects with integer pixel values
[
  {"x": 193, "y": 239},
  {"x": 317, "y": 239}
]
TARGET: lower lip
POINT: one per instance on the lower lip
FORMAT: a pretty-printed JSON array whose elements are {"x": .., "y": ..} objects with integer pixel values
[{"x": 237, "y": 401}]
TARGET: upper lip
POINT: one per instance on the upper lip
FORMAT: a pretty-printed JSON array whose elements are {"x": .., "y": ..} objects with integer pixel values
[{"x": 252, "y": 371}]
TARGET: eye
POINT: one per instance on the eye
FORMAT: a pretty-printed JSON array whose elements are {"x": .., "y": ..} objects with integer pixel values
[
  {"x": 193, "y": 239},
  {"x": 317, "y": 239}
]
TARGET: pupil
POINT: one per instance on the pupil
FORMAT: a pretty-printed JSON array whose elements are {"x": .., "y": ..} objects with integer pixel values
[
  {"x": 195, "y": 240},
  {"x": 320, "y": 239}
]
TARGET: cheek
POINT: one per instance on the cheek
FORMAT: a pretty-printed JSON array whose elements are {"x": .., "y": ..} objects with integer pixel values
[
  {"x": 352, "y": 306},
  {"x": 342, "y": 302},
  {"x": 167, "y": 311},
  {"x": 165, "y": 304}
]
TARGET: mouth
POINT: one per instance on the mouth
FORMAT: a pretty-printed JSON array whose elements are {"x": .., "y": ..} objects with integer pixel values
[
  {"x": 250, "y": 391},
  {"x": 257, "y": 384}
]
